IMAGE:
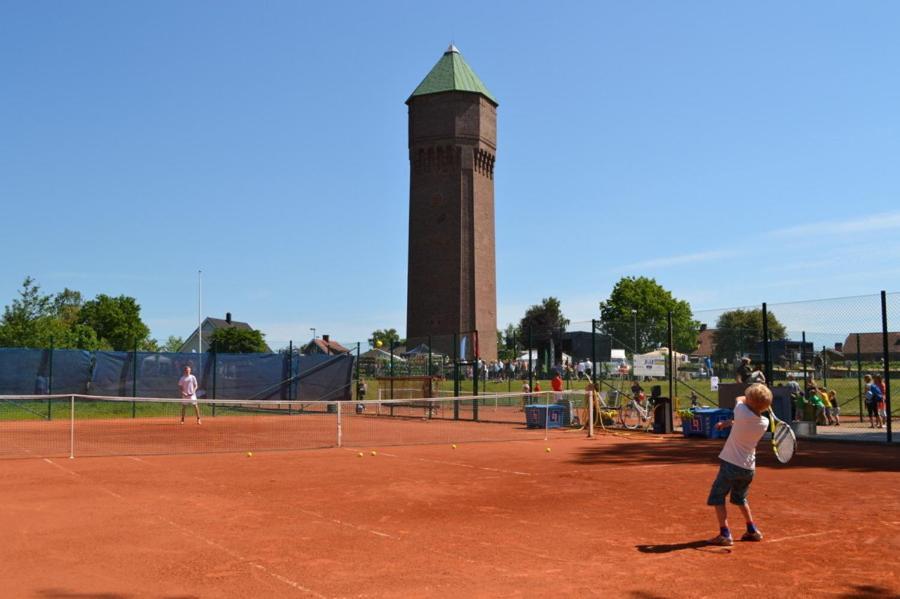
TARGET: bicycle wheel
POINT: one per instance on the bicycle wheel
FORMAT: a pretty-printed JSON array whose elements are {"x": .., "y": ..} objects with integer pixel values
[{"x": 631, "y": 416}]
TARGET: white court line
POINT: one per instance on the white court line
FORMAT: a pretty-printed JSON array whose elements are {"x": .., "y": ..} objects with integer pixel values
[
  {"x": 803, "y": 536},
  {"x": 457, "y": 464},
  {"x": 234, "y": 555}
]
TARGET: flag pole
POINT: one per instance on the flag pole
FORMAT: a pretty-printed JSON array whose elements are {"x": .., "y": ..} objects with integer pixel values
[{"x": 199, "y": 324}]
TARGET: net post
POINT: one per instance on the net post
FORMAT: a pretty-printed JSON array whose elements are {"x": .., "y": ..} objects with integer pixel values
[
  {"x": 340, "y": 431},
  {"x": 859, "y": 378},
  {"x": 887, "y": 366},
  {"x": 71, "y": 427}
]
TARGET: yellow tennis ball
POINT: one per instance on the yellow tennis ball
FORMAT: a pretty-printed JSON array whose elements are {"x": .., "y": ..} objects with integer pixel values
[
  {"x": 548, "y": 450},
  {"x": 249, "y": 454},
  {"x": 374, "y": 453},
  {"x": 453, "y": 446},
  {"x": 379, "y": 343},
  {"x": 359, "y": 455}
]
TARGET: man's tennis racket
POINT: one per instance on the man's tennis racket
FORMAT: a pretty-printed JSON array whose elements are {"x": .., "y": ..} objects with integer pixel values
[{"x": 784, "y": 443}]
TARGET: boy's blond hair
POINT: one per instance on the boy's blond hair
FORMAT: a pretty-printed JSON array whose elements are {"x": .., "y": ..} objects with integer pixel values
[{"x": 759, "y": 397}]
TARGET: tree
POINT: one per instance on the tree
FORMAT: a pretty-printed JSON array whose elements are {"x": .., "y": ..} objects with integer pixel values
[
  {"x": 386, "y": 336},
  {"x": 172, "y": 344},
  {"x": 117, "y": 320},
  {"x": 506, "y": 342},
  {"x": 232, "y": 340},
  {"x": 29, "y": 321},
  {"x": 739, "y": 332},
  {"x": 652, "y": 303},
  {"x": 545, "y": 323}
]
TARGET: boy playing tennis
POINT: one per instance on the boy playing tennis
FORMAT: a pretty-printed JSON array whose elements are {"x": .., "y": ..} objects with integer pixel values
[
  {"x": 737, "y": 461},
  {"x": 187, "y": 384}
]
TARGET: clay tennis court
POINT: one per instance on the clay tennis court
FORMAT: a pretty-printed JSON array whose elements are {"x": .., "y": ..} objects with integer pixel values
[{"x": 614, "y": 516}]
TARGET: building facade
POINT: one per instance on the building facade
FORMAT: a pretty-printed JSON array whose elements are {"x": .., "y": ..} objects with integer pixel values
[{"x": 452, "y": 265}]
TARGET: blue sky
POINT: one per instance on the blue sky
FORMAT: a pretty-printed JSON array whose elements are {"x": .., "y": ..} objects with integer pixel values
[{"x": 739, "y": 153}]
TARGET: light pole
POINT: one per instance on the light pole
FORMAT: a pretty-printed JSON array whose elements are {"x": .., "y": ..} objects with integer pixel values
[{"x": 313, "y": 329}]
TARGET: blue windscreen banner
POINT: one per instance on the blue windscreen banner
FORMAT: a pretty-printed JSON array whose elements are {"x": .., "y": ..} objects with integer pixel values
[{"x": 44, "y": 371}]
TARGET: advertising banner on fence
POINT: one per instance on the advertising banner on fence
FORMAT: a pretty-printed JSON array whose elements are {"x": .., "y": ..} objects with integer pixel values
[{"x": 650, "y": 365}]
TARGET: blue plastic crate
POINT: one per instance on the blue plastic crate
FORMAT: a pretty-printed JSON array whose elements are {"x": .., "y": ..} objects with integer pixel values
[
  {"x": 703, "y": 424},
  {"x": 536, "y": 416}
]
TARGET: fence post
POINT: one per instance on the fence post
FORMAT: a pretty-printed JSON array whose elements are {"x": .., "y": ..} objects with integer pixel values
[
  {"x": 824, "y": 368},
  {"x": 887, "y": 366},
  {"x": 50, "y": 383},
  {"x": 671, "y": 342},
  {"x": 391, "y": 348},
  {"x": 859, "y": 378},
  {"x": 340, "y": 431},
  {"x": 594, "y": 352},
  {"x": 429, "y": 373},
  {"x": 134, "y": 371},
  {"x": 530, "y": 367},
  {"x": 215, "y": 368},
  {"x": 455, "y": 375},
  {"x": 803, "y": 359},
  {"x": 767, "y": 363},
  {"x": 357, "y": 370},
  {"x": 476, "y": 372}
]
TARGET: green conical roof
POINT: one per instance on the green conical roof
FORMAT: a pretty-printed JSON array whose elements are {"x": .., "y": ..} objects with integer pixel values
[{"x": 452, "y": 74}]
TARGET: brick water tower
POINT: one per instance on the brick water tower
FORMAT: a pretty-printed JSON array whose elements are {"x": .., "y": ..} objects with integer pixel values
[{"x": 452, "y": 282}]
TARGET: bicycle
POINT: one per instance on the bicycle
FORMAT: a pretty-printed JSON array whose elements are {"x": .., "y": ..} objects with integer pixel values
[{"x": 634, "y": 414}]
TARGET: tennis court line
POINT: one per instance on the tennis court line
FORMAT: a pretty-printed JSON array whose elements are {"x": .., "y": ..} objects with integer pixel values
[
  {"x": 236, "y": 556},
  {"x": 195, "y": 535},
  {"x": 446, "y": 463},
  {"x": 803, "y": 536}
]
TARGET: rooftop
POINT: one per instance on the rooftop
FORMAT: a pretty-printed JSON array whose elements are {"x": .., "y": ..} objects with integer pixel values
[{"x": 452, "y": 73}]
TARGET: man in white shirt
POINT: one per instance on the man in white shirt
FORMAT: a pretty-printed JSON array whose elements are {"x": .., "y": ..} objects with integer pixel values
[
  {"x": 187, "y": 384},
  {"x": 737, "y": 461}
]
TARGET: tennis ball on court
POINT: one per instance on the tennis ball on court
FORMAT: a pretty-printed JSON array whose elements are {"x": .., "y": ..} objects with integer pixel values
[
  {"x": 548, "y": 450},
  {"x": 249, "y": 454},
  {"x": 374, "y": 452},
  {"x": 453, "y": 446},
  {"x": 359, "y": 455}
]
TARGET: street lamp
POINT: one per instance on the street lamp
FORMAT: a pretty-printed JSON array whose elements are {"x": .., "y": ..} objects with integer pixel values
[{"x": 313, "y": 329}]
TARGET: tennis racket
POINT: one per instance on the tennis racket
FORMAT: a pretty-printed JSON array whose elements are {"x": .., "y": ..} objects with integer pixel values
[{"x": 784, "y": 443}]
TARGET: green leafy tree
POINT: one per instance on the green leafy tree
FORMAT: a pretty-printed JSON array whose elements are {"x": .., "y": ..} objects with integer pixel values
[
  {"x": 172, "y": 344},
  {"x": 29, "y": 320},
  {"x": 386, "y": 336},
  {"x": 232, "y": 340},
  {"x": 117, "y": 320},
  {"x": 507, "y": 341},
  {"x": 652, "y": 303},
  {"x": 739, "y": 332},
  {"x": 546, "y": 323}
]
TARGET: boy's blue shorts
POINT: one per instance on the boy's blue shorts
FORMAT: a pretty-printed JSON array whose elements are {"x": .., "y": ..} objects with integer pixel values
[{"x": 731, "y": 479}]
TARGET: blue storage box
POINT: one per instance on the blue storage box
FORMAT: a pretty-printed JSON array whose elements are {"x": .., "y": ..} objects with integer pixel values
[
  {"x": 703, "y": 424},
  {"x": 544, "y": 416}
]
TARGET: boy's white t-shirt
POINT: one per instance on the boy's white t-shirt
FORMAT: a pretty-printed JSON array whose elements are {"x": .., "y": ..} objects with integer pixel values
[
  {"x": 747, "y": 430},
  {"x": 188, "y": 384}
]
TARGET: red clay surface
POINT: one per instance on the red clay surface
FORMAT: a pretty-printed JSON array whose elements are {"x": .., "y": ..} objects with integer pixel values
[{"x": 616, "y": 516}]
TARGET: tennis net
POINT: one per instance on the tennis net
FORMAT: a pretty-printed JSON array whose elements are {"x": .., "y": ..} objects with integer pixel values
[{"x": 85, "y": 425}]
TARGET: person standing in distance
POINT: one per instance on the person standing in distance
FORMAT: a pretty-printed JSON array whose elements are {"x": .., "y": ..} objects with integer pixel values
[{"x": 188, "y": 386}]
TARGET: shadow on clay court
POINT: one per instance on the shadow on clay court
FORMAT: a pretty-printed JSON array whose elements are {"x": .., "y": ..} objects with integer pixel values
[
  {"x": 869, "y": 591},
  {"x": 639, "y": 448},
  {"x": 671, "y": 547}
]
